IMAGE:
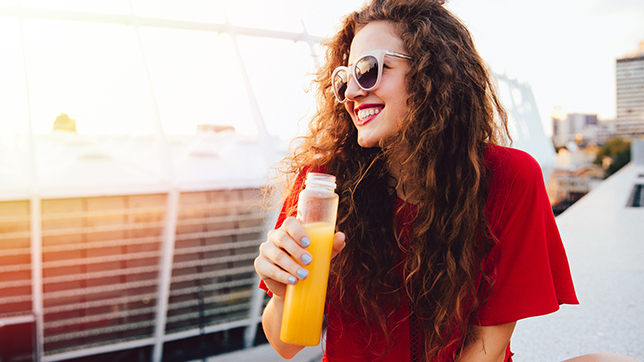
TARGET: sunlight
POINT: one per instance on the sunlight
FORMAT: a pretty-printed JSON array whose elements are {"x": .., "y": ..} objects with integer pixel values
[{"x": 98, "y": 75}]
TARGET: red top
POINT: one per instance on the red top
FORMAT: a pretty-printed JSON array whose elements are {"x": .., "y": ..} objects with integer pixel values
[{"x": 532, "y": 273}]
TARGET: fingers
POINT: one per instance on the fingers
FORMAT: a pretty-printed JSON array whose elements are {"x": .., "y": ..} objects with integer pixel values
[
  {"x": 292, "y": 238},
  {"x": 338, "y": 243},
  {"x": 272, "y": 275},
  {"x": 281, "y": 250},
  {"x": 281, "y": 258},
  {"x": 294, "y": 228}
]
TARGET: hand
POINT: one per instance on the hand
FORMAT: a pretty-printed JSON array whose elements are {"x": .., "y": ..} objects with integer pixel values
[{"x": 276, "y": 263}]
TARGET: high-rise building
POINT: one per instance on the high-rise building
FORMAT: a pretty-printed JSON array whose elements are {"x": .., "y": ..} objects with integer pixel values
[{"x": 629, "y": 73}]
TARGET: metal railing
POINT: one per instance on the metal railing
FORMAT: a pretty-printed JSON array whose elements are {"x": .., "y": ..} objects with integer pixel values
[{"x": 100, "y": 291}]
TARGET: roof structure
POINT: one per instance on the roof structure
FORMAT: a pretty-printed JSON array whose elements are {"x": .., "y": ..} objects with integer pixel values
[{"x": 68, "y": 164}]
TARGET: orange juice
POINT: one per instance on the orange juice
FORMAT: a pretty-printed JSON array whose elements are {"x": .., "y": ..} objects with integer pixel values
[{"x": 304, "y": 302}]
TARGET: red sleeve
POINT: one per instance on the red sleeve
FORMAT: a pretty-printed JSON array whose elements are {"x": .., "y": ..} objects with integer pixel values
[
  {"x": 288, "y": 209},
  {"x": 532, "y": 276}
]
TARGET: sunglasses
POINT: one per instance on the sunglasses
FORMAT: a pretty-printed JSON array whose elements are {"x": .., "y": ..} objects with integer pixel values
[{"x": 367, "y": 71}]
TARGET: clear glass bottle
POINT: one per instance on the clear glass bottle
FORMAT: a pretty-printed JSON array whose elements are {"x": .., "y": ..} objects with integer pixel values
[{"x": 317, "y": 210}]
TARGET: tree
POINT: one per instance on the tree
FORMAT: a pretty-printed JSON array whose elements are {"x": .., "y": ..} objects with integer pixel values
[{"x": 618, "y": 150}]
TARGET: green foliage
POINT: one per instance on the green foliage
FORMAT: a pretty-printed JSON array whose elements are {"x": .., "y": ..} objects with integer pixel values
[{"x": 618, "y": 150}]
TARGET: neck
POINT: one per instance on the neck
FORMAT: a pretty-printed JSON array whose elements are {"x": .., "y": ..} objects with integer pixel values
[{"x": 403, "y": 190}]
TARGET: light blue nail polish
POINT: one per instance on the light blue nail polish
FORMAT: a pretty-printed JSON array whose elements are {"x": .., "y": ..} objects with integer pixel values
[
  {"x": 306, "y": 259},
  {"x": 302, "y": 273},
  {"x": 292, "y": 280},
  {"x": 305, "y": 242}
]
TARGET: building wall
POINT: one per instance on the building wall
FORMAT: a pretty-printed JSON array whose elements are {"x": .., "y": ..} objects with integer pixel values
[
  {"x": 629, "y": 74},
  {"x": 101, "y": 263}
]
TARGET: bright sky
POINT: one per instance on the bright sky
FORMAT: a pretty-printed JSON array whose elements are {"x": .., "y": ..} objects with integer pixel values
[{"x": 565, "y": 49}]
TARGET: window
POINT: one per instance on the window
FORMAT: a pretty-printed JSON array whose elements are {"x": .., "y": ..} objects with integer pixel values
[{"x": 637, "y": 196}]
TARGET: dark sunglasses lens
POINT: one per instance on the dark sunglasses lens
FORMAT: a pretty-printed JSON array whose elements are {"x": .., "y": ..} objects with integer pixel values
[
  {"x": 340, "y": 84},
  {"x": 367, "y": 72}
]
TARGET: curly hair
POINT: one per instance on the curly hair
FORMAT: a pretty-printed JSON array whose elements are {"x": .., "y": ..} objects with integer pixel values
[{"x": 453, "y": 115}]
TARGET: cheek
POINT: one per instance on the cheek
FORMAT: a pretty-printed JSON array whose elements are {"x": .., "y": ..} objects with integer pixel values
[
  {"x": 403, "y": 108},
  {"x": 349, "y": 107},
  {"x": 400, "y": 108},
  {"x": 397, "y": 95}
]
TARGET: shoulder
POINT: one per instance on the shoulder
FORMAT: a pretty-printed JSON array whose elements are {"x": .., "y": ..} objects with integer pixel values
[
  {"x": 510, "y": 164},
  {"x": 516, "y": 184}
]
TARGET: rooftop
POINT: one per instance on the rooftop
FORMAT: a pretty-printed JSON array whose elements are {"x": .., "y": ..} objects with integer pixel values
[{"x": 68, "y": 164}]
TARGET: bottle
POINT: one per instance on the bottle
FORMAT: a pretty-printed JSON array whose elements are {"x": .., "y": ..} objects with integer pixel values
[{"x": 317, "y": 210}]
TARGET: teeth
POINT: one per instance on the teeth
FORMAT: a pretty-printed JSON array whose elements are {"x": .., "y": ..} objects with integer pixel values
[{"x": 368, "y": 113}]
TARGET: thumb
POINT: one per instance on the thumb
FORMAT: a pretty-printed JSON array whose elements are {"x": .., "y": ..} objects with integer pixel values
[{"x": 338, "y": 243}]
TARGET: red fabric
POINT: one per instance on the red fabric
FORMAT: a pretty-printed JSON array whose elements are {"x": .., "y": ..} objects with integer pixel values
[{"x": 532, "y": 273}]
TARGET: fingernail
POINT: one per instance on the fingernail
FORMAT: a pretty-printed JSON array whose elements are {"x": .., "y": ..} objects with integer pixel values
[
  {"x": 306, "y": 259},
  {"x": 292, "y": 280},
  {"x": 302, "y": 273},
  {"x": 305, "y": 242}
]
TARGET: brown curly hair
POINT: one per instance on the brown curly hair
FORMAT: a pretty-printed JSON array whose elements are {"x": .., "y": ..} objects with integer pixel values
[{"x": 454, "y": 114}]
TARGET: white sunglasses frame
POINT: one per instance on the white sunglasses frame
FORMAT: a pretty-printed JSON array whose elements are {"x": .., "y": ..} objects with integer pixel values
[{"x": 379, "y": 54}]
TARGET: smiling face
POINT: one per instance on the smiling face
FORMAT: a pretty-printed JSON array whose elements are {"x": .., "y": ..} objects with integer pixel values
[{"x": 376, "y": 114}]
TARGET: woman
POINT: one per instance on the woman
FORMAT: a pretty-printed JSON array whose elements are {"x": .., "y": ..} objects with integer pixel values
[{"x": 447, "y": 238}]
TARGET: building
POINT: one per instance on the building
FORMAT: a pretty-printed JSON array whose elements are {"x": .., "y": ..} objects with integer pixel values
[
  {"x": 598, "y": 133},
  {"x": 105, "y": 256},
  {"x": 573, "y": 157},
  {"x": 581, "y": 129},
  {"x": 575, "y": 175},
  {"x": 629, "y": 77},
  {"x": 567, "y": 186}
]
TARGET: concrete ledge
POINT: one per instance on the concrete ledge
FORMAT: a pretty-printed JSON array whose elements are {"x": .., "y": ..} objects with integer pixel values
[{"x": 265, "y": 353}]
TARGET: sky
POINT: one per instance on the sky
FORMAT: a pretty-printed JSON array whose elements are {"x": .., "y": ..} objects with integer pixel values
[{"x": 564, "y": 49}]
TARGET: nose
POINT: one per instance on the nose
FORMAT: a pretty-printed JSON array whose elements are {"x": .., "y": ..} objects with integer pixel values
[{"x": 353, "y": 89}]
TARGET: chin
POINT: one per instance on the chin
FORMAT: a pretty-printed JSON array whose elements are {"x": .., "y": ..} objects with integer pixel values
[
  {"x": 363, "y": 141},
  {"x": 367, "y": 143}
]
